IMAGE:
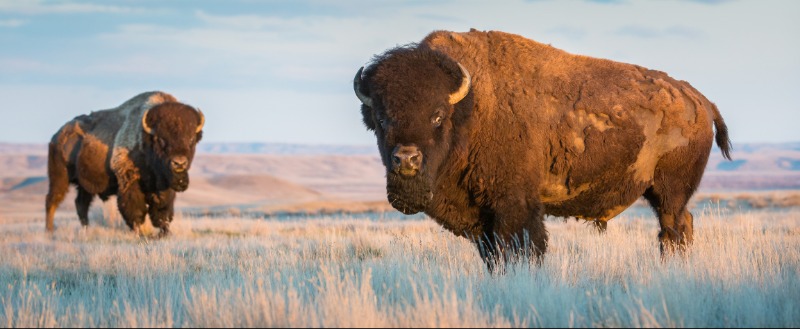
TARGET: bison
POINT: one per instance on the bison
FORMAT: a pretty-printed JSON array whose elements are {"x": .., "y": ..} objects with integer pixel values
[
  {"x": 140, "y": 151},
  {"x": 486, "y": 132}
]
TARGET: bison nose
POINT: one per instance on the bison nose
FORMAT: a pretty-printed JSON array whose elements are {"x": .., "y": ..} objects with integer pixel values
[
  {"x": 179, "y": 163},
  {"x": 408, "y": 159}
]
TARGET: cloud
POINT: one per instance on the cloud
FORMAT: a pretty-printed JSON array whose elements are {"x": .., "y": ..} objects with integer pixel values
[
  {"x": 640, "y": 31},
  {"x": 25, "y": 65},
  {"x": 711, "y": 2},
  {"x": 39, "y": 7},
  {"x": 245, "y": 22},
  {"x": 606, "y": 2},
  {"x": 569, "y": 32},
  {"x": 12, "y": 22}
]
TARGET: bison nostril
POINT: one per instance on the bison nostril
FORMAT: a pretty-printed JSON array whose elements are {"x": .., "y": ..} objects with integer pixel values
[
  {"x": 407, "y": 159},
  {"x": 179, "y": 163}
]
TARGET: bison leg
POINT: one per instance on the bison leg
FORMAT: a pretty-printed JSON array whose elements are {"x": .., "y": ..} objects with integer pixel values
[
  {"x": 600, "y": 225},
  {"x": 675, "y": 180},
  {"x": 59, "y": 185},
  {"x": 132, "y": 206},
  {"x": 82, "y": 203},
  {"x": 515, "y": 231},
  {"x": 161, "y": 210},
  {"x": 676, "y": 222}
]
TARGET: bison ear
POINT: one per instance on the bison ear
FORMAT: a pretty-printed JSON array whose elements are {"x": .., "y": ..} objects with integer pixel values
[
  {"x": 146, "y": 128},
  {"x": 463, "y": 89},
  {"x": 202, "y": 121},
  {"x": 366, "y": 113},
  {"x": 366, "y": 100}
]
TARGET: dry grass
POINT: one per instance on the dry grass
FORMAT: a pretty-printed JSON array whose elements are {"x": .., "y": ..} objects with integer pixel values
[{"x": 742, "y": 272}]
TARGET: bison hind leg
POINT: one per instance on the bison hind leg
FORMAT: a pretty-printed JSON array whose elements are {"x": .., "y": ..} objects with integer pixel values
[
  {"x": 675, "y": 221},
  {"x": 58, "y": 178}
]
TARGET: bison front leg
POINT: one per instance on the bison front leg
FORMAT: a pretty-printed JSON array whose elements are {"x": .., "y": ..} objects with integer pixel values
[
  {"x": 82, "y": 203},
  {"x": 132, "y": 206},
  {"x": 161, "y": 210},
  {"x": 514, "y": 231}
]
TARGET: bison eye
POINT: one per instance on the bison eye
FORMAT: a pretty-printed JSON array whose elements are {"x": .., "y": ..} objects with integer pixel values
[
  {"x": 382, "y": 122},
  {"x": 437, "y": 121},
  {"x": 162, "y": 143}
]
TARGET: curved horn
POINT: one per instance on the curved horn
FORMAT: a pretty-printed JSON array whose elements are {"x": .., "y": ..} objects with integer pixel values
[
  {"x": 147, "y": 128},
  {"x": 202, "y": 121},
  {"x": 357, "y": 87},
  {"x": 464, "y": 89}
]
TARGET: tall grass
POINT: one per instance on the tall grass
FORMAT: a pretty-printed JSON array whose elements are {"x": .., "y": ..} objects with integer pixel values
[{"x": 741, "y": 272}]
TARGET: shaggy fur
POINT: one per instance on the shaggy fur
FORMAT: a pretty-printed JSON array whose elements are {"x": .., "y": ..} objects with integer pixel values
[
  {"x": 541, "y": 132},
  {"x": 109, "y": 153}
]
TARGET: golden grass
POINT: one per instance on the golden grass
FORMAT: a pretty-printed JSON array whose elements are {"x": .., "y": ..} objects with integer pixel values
[{"x": 372, "y": 272}]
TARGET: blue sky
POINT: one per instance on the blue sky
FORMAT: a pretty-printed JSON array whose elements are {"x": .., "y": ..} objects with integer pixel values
[{"x": 281, "y": 71}]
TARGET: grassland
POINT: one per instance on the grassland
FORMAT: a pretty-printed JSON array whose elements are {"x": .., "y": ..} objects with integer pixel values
[{"x": 369, "y": 271}]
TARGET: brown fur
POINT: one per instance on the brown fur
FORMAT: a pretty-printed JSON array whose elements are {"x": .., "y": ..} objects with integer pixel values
[
  {"x": 108, "y": 153},
  {"x": 541, "y": 132}
]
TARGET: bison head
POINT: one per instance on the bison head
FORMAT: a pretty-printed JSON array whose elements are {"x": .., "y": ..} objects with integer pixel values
[
  {"x": 409, "y": 99},
  {"x": 172, "y": 131}
]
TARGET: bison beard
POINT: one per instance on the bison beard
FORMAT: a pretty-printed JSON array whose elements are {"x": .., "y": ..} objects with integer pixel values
[
  {"x": 166, "y": 178},
  {"x": 409, "y": 195},
  {"x": 180, "y": 181}
]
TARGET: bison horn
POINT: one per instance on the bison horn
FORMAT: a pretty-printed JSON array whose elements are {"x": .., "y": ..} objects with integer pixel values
[
  {"x": 357, "y": 87},
  {"x": 202, "y": 121},
  {"x": 147, "y": 128},
  {"x": 463, "y": 90}
]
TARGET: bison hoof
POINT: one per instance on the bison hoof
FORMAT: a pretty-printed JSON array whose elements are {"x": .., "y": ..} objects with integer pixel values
[
  {"x": 163, "y": 234},
  {"x": 600, "y": 225}
]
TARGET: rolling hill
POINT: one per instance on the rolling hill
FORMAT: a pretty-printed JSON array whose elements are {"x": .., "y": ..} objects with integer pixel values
[{"x": 287, "y": 177}]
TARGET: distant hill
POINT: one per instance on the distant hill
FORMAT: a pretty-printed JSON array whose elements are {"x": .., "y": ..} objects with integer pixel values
[
  {"x": 289, "y": 177},
  {"x": 231, "y": 148},
  {"x": 285, "y": 149},
  {"x": 752, "y": 158}
]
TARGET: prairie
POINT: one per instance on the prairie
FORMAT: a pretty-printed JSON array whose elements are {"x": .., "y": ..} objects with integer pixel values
[
  {"x": 299, "y": 236},
  {"x": 375, "y": 270}
]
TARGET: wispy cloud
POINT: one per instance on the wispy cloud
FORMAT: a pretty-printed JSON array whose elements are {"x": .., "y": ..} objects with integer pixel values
[
  {"x": 711, "y": 2},
  {"x": 607, "y": 1},
  {"x": 569, "y": 32},
  {"x": 649, "y": 32},
  {"x": 9, "y": 65},
  {"x": 245, "y": 22},
  {"x": 40, "y": 7},
  {"x": 12, "y": 22}
]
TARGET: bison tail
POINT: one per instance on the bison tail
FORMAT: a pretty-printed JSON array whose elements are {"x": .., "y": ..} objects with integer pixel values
[{"x": 723, "y": 140}]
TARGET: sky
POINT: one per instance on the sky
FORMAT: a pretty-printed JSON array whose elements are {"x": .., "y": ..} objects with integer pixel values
[{"x": 281, "y": 71}]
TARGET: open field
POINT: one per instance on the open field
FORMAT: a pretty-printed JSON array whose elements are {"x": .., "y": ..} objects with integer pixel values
[
  {"x": 743, "y": 271},
  {"x": 280, "y": 235}
]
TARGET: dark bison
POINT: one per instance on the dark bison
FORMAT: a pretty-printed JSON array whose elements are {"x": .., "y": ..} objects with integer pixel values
[
  {"x": 140, "y": 151},
  {"x": 486, "y": 132}
]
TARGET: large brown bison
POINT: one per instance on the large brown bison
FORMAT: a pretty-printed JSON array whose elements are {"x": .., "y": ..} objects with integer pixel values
[
  {"x": 486, "y": 132},
  {"x": 140, "y": 151}
]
